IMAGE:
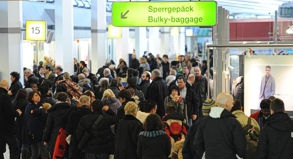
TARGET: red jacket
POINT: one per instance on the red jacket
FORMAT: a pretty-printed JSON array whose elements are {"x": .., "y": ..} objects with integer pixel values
[{"x": 255, "y": 115}]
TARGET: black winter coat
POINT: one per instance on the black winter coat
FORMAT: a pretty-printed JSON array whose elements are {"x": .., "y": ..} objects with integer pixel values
[
  {"x": 19, "y": 104},
  {"x": 71, "y": 127},
  {"x": 14, "y": 87},
  {"x": 7, "y": 114},
  {"x": 144, "y": 85},
  {"x": 153, "y": 145},
  {"x": 220, "y": 136},
  {"x": 188, "y": 151},
  {"x": 158, "y": 91},
  {"x": 238, "y": 92},
  {"x": 201, "y": 89},
  {"x": 33, "y": 124},
  {"x": 101, "y": 72},
  {"x": 275, "y": 141},
  {"x": 192, "y": 103},
  {"x": 135, "y": 64},
  {"x": 115, "y": 90},
  {"x": 102, "y": 138},
  {"x": 138, "y": 92},
  {"x": 121, "y": 72},
  {"x": 54, "y": 123},
  {"x": 31, "y": 79},
  {"x": 127, "y": 134},
  {"x": 166, "y": 69}
]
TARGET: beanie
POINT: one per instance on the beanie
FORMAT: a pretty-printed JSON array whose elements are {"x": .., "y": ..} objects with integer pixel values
[{"x": 207, "y": 105}]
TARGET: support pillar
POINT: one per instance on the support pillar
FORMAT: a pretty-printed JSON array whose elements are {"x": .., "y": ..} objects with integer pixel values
[
  {"x": 165, "y": 41},
  {"x": 122, "y": 46},
  {"x": 11, "y": 39},
  {"x": 154, "y": 40},
  {"x": 221, "y": 36},
  {"x": 99, "y": 35},
  {"x": 182, "y": 41},
  {"x": 140, "y": 41},
  {"x": 64, "y": 35}
]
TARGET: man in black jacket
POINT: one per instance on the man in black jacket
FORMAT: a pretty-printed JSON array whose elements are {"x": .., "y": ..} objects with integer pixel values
[
  {"x": 190, "y": 98},
  {"x": 276, "y": 138},
  {"x": 200, "y": 87},
  {"x": 100, "y": 72},
  {"x": 7, "y": 123},
  {"x": 145, "y": 82},
  {"x": 49, "y": 75},
  {"x": 132, "y": 83},
  {"x": 72, "y": 125},
  {"x": 166, "y": 66},
  {"x": 158, "y": 91},
  {"x": 101, "y": 143},
  {"x": 59, "y": 73},
  {"x": 220, "y": 135},
  {"x": 30, "y": 78},
  {"x": 135, "y": 62},
  {"x": 54, "y": 121}
]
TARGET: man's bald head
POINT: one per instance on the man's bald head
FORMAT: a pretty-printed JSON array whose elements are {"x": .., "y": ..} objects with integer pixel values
[
  {"x": 225, "y": 100},
  {"x": 4, "y": 84}
]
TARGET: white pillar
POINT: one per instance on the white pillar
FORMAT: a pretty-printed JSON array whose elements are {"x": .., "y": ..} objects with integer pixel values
[
  {"x": 188, "y": 43},
  {"x": 99, "y": 34},
  {"x": 182, "y": 41},
  {"x": 122, "y": 46},
  {"x": 165, "y": 41},
  {"x": 140, "y": 41},
  {"x": 64, "y": 35},
  {"x": 154, "y": 41},
  {"x": 175, "y": 41},
  {"x": 11, "y": 39}
]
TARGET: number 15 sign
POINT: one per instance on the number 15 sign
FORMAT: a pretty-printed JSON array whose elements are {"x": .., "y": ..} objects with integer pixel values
[{"x": 36, "y": 30}]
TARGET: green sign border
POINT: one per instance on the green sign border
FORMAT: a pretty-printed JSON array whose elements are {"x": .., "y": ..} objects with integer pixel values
[{"x": 164, "y": 25}]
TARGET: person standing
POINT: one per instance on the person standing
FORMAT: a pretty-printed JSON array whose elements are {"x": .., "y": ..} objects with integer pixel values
[
  {"x": 54, "y": 121},
  {"x": 135, "y": 63},
  {"x": 15, "y": 84},
  {"x": 127, "y": 133},
  {"x": 157, "y": 91},
  {"x": 267, "y": 87},
  {"x": 275, "y": 140},
  {"x": 220, "y": 136},
  {"x": 101, "y": 143},
  {"x": 200, "y": 87},
  {"x": 72, "y": 125},
  {"x": 7, "y": 123}
]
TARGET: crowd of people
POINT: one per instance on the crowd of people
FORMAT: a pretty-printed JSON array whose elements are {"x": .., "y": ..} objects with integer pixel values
[{"x": 153, "y": 109}]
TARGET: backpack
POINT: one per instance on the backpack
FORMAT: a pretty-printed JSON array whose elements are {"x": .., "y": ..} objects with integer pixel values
[
  {"x": 175, "y": 129},
  {"x": 252, "y": 140}
]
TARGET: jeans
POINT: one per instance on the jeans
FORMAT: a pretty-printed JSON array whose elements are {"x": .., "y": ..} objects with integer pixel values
[
  {"x": 96, "y": 156},
  {"x": 39, "y": 147},
  {"x": 12, "y": 142}
]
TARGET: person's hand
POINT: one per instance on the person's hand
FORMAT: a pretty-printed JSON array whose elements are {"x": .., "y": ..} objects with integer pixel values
[
  {"x": 32, "y": 111},
  {"x": 106, "y": 108},
  {"x": 19, "y": 112},
  {"x": 194, "y": 117},
  {"x": 45, "y": 143},
  {"x": 9, "y": 93}
]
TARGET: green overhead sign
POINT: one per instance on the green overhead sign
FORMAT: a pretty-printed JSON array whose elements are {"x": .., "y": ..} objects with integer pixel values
[{"x": 143, "y": 14}]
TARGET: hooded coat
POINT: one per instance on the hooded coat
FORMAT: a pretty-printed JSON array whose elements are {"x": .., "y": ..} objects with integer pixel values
[
  {"x": 158, "y": 91},
  {"x": 275, "y": 141},
  {"x": 54, "y": 123},
  {"x": 220, "y": 136}
]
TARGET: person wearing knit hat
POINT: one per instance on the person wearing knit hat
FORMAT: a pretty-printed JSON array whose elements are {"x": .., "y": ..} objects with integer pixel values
[{"x": 207, "y": 105}]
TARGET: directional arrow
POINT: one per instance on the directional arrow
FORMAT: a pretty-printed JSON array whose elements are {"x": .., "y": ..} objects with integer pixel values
[{"x": 123, "y": 16}]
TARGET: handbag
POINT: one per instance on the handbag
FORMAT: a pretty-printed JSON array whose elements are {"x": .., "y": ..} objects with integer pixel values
[{"x": 87, "y": 135}]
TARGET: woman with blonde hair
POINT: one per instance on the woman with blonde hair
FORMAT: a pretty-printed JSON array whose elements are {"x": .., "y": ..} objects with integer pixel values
[
  {"x": 127, "y": 133},
  {"x": 144, "y": 64},
  {"x": 110, "y": 100}
]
